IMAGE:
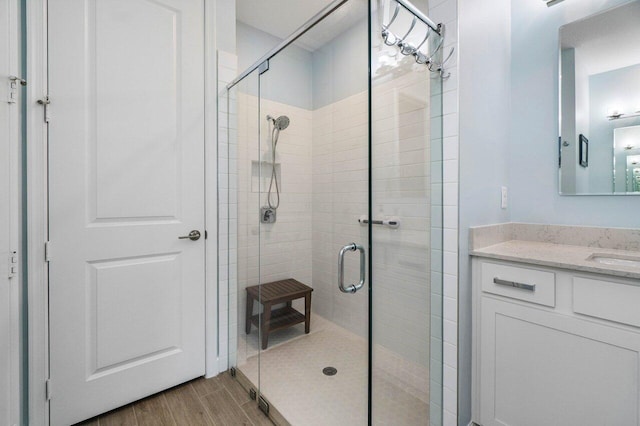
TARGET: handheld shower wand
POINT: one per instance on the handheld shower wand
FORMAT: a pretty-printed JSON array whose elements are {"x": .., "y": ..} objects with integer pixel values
[{"x": 279, "y": 124}]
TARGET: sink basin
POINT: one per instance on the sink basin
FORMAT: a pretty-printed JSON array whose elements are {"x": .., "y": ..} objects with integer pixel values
[{"x": 616, "y": 260}]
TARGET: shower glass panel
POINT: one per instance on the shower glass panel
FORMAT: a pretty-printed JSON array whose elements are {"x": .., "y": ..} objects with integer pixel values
[
  {"x": 406, "y": 181},
  {"x": 318, "y": 375},
  {"x": 240, "y": 201},
  {"x": 331, "y": 225}
]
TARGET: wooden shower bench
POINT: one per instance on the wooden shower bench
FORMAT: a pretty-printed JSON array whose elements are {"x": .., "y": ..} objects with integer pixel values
[{"x": 269, "y": 294}]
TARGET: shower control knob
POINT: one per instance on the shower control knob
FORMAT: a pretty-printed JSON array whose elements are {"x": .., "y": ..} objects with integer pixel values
[{"x": 193, "y": 236}]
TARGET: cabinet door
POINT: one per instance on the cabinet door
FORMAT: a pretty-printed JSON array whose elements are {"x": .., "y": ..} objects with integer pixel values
[{"x": 540, "y": 368}]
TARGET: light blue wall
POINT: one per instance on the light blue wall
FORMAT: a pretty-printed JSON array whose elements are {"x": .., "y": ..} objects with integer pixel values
[
  {"x": 484, "y": 103},
  {"x": 304, "y": 79},
  {"x": 340, "y": 67},
  {"x": 307, "y": 79},
  {"x": 289, "y": 79},
  {"x": 533, "y": 164},
  {"x": 607, "y": 90}
]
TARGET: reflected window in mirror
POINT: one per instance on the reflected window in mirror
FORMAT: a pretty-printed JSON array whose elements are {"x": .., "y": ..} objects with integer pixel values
[{"x": 600, "y": 103}]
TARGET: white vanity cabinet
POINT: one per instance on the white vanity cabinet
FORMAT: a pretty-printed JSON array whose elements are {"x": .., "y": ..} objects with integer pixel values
[{"x": 554, "y": 347}]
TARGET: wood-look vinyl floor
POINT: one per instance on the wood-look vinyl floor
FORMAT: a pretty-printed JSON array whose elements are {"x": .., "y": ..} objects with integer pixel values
[{"x": 219, "y": 401}]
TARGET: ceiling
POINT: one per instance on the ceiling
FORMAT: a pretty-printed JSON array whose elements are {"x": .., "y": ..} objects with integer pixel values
[{"x": 606, "y": 41}]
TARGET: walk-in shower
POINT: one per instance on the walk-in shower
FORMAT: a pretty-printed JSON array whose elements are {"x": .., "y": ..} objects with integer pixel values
[{"x": 332, "y": 315}]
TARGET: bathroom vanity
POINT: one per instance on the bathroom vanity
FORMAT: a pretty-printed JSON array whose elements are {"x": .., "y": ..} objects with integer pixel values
[{"x": 556, "y": 331}]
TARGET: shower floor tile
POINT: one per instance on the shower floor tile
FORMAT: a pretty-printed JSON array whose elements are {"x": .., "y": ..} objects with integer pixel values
[{"x": 291, "y": 379}]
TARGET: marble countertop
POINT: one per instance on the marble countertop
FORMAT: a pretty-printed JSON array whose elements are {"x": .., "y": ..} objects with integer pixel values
[{"x": 560, "y": 256}]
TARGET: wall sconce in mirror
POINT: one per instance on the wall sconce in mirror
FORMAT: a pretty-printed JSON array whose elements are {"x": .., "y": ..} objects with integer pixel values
[
  {"x": 584, "y": 151},
  {"x": 617, "y": 115},
  {"x": 614, "y": 114},
  {"x": 551, "y": 2}
]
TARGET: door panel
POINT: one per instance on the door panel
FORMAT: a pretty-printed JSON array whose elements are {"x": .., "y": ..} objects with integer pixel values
[
  {"x": 533, "y": 369},
  {"x": 118, "y": 286},
  {"x": 126, "y": 180},
  {"x": 136, "y": 80}
]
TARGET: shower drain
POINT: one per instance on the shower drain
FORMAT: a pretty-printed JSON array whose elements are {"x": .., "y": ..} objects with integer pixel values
[{"x": 329, "y": 371}]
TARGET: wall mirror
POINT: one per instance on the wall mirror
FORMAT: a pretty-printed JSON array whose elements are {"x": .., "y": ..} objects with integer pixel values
[{"x": 599, "y": 140}]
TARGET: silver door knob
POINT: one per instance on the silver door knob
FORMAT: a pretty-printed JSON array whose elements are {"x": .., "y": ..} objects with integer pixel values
[{"x": 193, "y": 236}]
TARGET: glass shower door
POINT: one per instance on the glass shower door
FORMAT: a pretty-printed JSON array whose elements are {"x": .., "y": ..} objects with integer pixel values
[
  {"x": 406, "y": 173},
  {"x": 406, "y": 180},
  {"x": 313, "y": 167}
]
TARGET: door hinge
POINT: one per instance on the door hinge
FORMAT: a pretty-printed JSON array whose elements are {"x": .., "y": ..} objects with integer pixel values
[
  {"x": 47, "y": 251},
  {"x": 263, "y": 67},
  {"x": 46, "y": 102},
  {"x": 13, "y": 88},
  {"x": 47, "y": 389},
  {"x": 263, "y": 405},
  {"x": 13, "y": 264}
]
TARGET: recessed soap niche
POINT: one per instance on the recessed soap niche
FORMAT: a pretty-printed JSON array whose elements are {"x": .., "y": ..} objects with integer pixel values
[{"x": 261, "y": 175}]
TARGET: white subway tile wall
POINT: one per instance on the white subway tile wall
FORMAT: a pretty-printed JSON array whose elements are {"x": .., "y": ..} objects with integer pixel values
[
  {"x": 340, "y": 197},
  {"x": 280, "y": 250},
  {"x": 227, "y": 227},
  {"x": 446, "y": 12}
]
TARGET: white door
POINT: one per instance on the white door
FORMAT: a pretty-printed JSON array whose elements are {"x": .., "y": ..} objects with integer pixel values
[{"x": 126, "y": 179}]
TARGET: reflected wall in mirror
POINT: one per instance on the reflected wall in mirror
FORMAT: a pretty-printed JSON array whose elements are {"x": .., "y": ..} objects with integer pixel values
[{"x": 600, "y": 101}]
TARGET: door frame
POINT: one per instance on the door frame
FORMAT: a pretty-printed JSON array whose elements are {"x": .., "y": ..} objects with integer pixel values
[
  {"x": 36, "y": 189},
  {"x": 11, "y": 64}
]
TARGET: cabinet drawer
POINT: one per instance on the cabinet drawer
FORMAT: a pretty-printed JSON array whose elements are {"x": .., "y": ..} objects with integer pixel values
[
  {"x": 607, "y": 300},
  {"x": 530, "y": 285}
]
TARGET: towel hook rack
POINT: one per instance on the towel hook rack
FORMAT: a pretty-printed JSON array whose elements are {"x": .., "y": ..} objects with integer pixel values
[{"x": 406, "y": 48}]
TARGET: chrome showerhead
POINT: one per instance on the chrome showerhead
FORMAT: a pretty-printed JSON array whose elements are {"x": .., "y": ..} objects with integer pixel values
[
  {"x": 279, "y": 123},
  {"x": 282, "y": 122}
]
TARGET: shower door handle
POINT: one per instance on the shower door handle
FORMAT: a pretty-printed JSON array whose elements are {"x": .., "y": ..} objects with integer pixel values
[{"x": 354, "y": 287}]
